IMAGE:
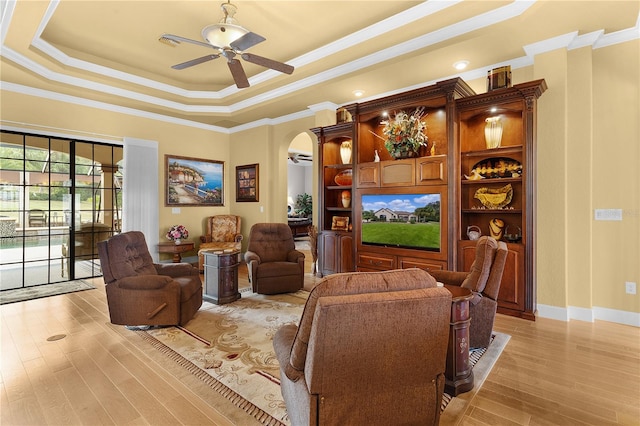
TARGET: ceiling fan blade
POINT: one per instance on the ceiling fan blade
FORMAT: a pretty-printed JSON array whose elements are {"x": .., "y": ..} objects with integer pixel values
[
  {"x": 179, "y": 39},
  {"x": 269, "y": 63},
  {"x": 246, "y": 41},
  {"x": 238, "y": 73},
  {"x": 195, "y": 62}
]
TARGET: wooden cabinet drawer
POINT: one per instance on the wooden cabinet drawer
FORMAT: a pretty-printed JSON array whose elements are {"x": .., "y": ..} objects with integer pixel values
[
  {"x": 426, "y": 264},
  {"x": 376, "y": 261}
]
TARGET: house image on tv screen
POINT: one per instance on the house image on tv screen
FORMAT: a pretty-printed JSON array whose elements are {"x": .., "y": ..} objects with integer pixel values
[{"x": 387, "y": 215}]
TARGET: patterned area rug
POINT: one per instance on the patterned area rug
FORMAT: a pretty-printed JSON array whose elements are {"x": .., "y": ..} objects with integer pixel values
[
  {"x": 43, "y": 290},
  {"x": 229, "y": 347}
]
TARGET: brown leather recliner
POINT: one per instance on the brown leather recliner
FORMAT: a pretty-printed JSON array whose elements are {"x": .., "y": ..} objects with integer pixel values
[
  {"x": 371, "y": 348},
  {"x": 223, "y": 233},
  {"x": 140, "y": 292},
  {"x": 274, "y": 264},
  {"x": 484, "y": 282}
]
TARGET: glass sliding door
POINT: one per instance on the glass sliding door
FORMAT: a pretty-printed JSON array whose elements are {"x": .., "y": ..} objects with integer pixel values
[{"x": 54, "y": 192}]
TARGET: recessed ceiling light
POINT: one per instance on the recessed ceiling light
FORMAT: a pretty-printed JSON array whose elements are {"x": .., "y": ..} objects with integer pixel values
[
  {"x": 460, "y": 65},
  {"x": 358, "y": 93}
]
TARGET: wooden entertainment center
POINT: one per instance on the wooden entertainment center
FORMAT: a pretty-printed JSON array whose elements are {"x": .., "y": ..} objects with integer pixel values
[{"x": 454, "y": 171}]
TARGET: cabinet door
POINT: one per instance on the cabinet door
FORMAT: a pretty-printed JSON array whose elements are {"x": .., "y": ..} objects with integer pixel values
[
  {"x": 368, "y": 175},
  {"x": 345, "y": 255},
  {"x": 327, "y": 252},
  {"x": 431, "y": 170},
  {"x": 511, "y": 295}
]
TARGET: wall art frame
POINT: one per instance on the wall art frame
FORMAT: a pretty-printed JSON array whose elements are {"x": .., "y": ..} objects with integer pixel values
[
  {"x": 193, "y": 181},
  {"x": 248, "y": 183}
]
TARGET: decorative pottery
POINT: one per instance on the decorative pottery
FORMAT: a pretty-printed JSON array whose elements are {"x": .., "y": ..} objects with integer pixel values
[
  {"x": 403, "y": 150},
  {"x": 345, "y": 196},
  {"x": 177, "y": 241},
  {"x": 344, "y": 178},
  {"x": 493, "y": 132},
  {"x": 473, "y": 232},
  {"x": 512, "y": 237},
  {"x": 345, "y": 152},
  {"x": 496, "y": 228},
  {"x": 497, "y": 167},
  {"x": 495, "y": 198}
]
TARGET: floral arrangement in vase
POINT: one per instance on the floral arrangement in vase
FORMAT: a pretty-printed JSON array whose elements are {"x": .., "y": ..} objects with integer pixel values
[
  {"x": 405, "y": 134},
  {"x": 177, "y": 232}
]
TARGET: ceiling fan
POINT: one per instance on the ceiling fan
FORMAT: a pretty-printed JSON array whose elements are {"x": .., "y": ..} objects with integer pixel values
[
  {"x": 230, "y": 40},
  {"x": 296, "y": 157}
]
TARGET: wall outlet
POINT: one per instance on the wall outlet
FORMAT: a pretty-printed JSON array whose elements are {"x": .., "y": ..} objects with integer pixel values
[
  {"x": 608, "y": 214},
  {"x": 175, "y": 210},
  {"x": 630, "y": 287}
]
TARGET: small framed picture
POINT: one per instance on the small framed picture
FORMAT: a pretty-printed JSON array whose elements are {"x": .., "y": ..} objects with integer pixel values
[
  {"x": 340, "y": 223},
  {"x": 247, "y": 188}
]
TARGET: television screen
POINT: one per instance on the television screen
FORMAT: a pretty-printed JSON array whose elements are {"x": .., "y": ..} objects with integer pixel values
[{"x": 401, "y": 220}]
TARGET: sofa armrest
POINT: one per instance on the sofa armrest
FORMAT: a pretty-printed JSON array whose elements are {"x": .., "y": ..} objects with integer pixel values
[
  {"x": 143, "y": 282},
  {"x": 175, "y": 269},
  {"x": 282, "y": 344},
  {"x": 449, "y": 277}
]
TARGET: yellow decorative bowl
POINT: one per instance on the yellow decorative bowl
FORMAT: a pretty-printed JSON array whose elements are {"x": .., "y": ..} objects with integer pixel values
[{"x": 495, "y": 198}]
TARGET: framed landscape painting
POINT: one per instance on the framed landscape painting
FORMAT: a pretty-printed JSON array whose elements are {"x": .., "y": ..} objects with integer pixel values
[
  {"x": 193, "y": 181},
  {"x": 247, "y": 188}
]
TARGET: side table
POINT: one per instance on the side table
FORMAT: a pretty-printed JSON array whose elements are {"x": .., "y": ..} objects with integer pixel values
[
  {"x": 458, "y": 372},
  {"x": 176, "y": 249},
  {"x": 221, "y": 276}
]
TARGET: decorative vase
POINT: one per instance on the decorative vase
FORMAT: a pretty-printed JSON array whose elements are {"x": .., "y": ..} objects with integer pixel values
[
  {"x": 346, "y": 198},
  {"x": 496, "y": 228},
  {"x": 403, "y": 150},
  {"x": 177, "y": 241},
  {"x": 345, "y": 152},
  {"x": 493, "y": 132}
]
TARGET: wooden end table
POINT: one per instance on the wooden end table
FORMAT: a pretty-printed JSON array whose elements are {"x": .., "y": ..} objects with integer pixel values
[
  {"x": 176, "y": 249},
  {"x": 458, "y": 373},
  {"x": 221, "y": 276}
]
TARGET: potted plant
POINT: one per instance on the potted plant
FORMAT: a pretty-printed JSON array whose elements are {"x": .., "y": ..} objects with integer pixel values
[{"x": 304, "y": 205}]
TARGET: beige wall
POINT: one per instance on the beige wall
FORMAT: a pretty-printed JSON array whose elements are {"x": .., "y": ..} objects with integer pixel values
[{"x": 588, "y": 157}]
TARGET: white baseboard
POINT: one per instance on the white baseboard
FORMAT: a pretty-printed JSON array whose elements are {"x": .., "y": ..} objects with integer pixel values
[{"x": 589, "y": 315}]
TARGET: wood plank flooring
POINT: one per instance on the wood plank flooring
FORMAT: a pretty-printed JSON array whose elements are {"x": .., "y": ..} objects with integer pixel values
[{"x": 551, "y": 372}]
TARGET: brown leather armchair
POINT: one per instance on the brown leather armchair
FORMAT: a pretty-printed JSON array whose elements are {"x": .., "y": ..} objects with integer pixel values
[
  {"x": 484, "y": 282},
  {"x": 223, "y": 233},
  {"x": 274, "y": 264},
  {"x": 140, "y": 292},
  {"x": 371, "y": 348}
]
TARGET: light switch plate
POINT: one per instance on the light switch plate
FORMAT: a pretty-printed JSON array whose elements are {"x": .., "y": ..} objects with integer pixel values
[{"x": 608, "y": 214}]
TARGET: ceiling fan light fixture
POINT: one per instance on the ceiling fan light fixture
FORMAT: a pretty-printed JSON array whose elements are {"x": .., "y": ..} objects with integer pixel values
[{"x": 222, "y": 35}]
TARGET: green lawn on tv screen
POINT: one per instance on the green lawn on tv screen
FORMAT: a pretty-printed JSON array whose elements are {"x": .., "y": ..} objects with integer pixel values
[{"x": 425, "y": 235}]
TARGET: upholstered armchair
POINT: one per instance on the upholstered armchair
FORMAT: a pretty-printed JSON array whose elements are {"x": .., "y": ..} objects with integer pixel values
[
  {"x": 484, "y": 282},
  {"x": 370, "y": 349},
  {"x": 140, "y": 292},
  {"x": 274, "y": 264},
  {"x": 223, "y": 233},
  {"x": 86, "y": 243}
]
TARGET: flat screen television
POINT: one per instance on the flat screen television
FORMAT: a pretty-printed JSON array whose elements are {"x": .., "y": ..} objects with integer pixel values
[{"x": 401, "y": 220}]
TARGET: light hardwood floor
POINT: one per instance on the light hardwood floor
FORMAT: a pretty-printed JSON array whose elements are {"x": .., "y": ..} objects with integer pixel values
[{"x": 551, "y": 372}]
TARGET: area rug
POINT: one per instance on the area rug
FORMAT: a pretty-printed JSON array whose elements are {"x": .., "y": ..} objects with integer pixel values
[
  {"x": 43, "y": 290},
  {"x": 229, "y": 347}
]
